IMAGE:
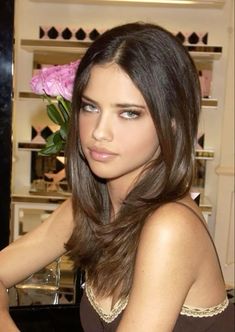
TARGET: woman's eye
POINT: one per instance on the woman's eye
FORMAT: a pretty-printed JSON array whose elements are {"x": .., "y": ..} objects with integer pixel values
[
  {"x": 130, "y": 114},
  {"x": 88, "y": 108}
]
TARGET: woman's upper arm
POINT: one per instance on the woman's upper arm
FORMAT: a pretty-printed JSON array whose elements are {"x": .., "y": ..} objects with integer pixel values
[
  {"x": 165, "y": 269},
  {"x": 37, "y": 248}
]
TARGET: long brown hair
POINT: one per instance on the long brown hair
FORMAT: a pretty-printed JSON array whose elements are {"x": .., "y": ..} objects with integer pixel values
[{"x": 161, "y": 68}]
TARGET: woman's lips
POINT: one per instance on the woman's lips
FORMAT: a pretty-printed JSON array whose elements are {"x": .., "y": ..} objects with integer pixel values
[{"x": 101, "y": 154}]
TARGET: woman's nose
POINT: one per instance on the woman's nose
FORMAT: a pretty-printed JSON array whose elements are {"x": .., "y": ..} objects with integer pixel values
[{"x": 103, "y": 128}]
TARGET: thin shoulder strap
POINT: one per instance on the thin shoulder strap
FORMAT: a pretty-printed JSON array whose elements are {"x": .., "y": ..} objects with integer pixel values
[
  {"x": 198, "y": 216},
  {"x": 204, "y": 224},
  {"x": 193, "y": 211}
]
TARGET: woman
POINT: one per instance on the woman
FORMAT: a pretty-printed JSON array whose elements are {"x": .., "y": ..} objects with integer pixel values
[{"x": 149, "y": 261}]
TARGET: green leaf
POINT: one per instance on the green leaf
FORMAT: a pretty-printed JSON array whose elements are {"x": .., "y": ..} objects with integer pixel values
[
  {"x": 52, "y": 149},
  {"x": 48, "y": 151},
  {"x": 66, "y": 103},
  {"x": 59, "y": 113},
  {"x": 65, "y": 112},
  {"x": 49, "y": 140},
  {"x": 54, "y": 114},
  {"x": 64, "y": 131},
  {"x": 56, "y": 137},
  {"x": 54, "y": 144}
]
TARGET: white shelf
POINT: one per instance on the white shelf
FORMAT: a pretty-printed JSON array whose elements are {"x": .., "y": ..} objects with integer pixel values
[
  {"x": 30, "y": 146},
  {"x": 177, "y": 3},
  {"x": 24, "y": 195},
  {"x": 205, "y": 154},
  {"x": 61, "y": 46},
  {"x": 204, "y": 52},
  {"x": 198, "y": 52},
  {"x": 209, "y": 103}
]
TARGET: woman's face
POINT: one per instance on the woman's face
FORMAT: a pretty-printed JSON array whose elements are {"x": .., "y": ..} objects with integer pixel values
[{"x": 117, "y": 132}]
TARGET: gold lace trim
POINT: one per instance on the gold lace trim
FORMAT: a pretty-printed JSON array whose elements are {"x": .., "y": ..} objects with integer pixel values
[
  {"x": 204, "y": 312},
  {"x": 119, "y": 306}
]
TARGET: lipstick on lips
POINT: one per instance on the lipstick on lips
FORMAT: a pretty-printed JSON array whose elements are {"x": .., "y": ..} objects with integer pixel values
[{"x": 101, "y": 154}]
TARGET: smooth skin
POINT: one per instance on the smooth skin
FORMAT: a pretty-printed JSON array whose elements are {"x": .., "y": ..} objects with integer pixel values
[
  {"x": 118, "y": 136},
  {"x": 176, "y": 262}
]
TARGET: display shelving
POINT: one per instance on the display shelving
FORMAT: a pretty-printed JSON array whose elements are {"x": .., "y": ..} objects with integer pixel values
[{"x": 38, "y": 45}]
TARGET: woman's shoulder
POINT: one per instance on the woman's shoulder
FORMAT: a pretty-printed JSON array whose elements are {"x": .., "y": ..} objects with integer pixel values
[
  {"x": 171, "y": 254},
  {"x": 177, "y": 225},
  {"x": 177, "y": 215},
  {"x": 176, "y": 238}
]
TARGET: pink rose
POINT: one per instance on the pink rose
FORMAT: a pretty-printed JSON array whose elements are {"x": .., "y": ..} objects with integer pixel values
[{"x": 55, "y": 80}]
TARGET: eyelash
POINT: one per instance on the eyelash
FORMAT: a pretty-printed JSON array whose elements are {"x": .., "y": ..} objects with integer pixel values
[
  {"x": 134, "y": 114},
  {"x": 89, "y": 108},
  {"x": 127, "y": 114}
]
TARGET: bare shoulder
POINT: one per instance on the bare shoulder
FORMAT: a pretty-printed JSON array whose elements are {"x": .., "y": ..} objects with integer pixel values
[
  {"x": 177, "y": 220},
  {"x": 168, "y": 258},
  {"x": 176, "y": 228}
]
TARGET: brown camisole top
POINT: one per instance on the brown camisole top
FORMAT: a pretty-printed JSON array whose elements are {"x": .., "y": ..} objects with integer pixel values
[
  {"x": 219, "y": 318},
  {"x": 214, "y": 319}
]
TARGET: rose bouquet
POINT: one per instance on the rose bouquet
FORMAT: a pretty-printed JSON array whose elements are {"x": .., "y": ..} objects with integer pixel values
[{"x": 55, "y": 84}]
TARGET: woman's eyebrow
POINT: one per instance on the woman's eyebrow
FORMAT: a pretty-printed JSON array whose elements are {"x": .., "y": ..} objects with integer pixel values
[
  {"x": 120, "y": 105},
  {"x": 89, "y": 99},
  {"x": 129, "y": 105}
]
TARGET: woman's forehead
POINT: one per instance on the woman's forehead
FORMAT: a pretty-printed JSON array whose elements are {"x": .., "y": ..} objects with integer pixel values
[{"x": 110, "y": 81}]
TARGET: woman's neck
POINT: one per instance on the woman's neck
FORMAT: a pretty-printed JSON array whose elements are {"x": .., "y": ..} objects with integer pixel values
[{"x": 118, "y": 190}]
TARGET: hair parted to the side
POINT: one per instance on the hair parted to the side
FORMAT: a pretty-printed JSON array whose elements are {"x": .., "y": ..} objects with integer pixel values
[{"x": 163, "y": 71}]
